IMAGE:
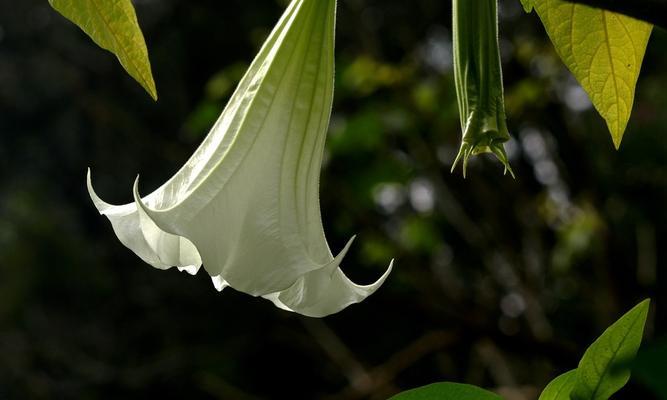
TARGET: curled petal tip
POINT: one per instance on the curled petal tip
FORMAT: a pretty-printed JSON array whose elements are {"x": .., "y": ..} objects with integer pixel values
[
  {"x": 499, "y": 151},
  {"x": 135, "y": 194},
  {"x": 509, "y": 169},
  {"x": 339, "y": 258},
  {"x": 137, "y": 198},
  {"x": 464, "y": 154},
  {"x": 467, "y": 151},
  {"x": 101, "y": 205},
  {"x": 219, "y": 283},
  {"x": 375, "y": 285},
  {"x": 89, "y": 180},
  {"x": 190, "y": 269},
  {"x": 458, "y": 157}
]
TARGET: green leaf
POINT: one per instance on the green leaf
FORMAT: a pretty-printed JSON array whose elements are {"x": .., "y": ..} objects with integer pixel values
[
  {"x": 598, "y": 374},
  {"x": 604, "y": 51},
  {"x": 527, "y": 5},
  {"x": 113, "y": 26},
  {"x": 561, "y": 387},
  {"x": 447, "y": 391}
]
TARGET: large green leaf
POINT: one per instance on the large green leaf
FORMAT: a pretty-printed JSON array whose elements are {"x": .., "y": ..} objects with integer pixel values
[
  {"x": 447, "y": 391},
  {"x": 604, "y": 51},
  {"x": 599, "y": 375},
  {"x": 561, "y": 387},
  {"x": 113, "y": 25}
]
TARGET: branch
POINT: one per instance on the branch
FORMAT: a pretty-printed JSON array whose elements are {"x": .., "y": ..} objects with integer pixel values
[{"x": 653, "y": 11}]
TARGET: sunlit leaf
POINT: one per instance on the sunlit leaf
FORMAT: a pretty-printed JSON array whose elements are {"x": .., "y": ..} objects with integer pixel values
[
  {"x": 447, "y": 391},
  {"x": 598, "y": 375},
  {"x": 527, "y": 5},
  {"x": 604, "y": 51},
  {"x": 561, "y": 387},
  {"x": 113, "y": 26}
]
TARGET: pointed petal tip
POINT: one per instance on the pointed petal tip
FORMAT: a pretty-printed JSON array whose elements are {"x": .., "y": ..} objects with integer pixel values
[
  {"x": 498, "y": 150},
  {"x": 508, "y": 168},
  {"x": 372, "y": 287},
  {"x": 355, "y": 294},
  {"x": 219, "y": 283},
  {"x": 464, "y": 154},
  {"x": 135, "y": 194},
  {"x": 101, "y": 205},
  {"x": 511, "y": 172},
  {"x": 89, "y": 182},
  {"x": 138, "y": 201},
  {"x": 388, "y": 271},
  {"x": 337, "y": 260},
  {"x": 458, "y": 158},
  {"x": 190, "y": 269}
]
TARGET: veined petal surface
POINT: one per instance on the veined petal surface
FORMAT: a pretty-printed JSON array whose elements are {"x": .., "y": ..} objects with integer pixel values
[{"x": 246, "y": 204}]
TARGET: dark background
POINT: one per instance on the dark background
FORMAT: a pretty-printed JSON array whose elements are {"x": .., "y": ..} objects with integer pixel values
[{"x": 498, "y": 282}]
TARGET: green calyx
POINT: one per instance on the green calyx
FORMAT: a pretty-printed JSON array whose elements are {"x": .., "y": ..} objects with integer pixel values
[{"x": 479, "y": 83}]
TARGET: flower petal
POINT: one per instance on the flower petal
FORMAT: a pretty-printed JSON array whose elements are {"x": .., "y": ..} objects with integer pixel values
[
  {"x": 246, "y": 204},
  {"x": 138, "y": 233},
  {"x": 262, "y": 195},
  {"x": 325, "y": 291}
]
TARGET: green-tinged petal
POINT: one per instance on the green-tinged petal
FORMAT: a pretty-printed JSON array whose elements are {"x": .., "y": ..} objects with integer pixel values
[
  {"x": 479, "y": 82},
  {"x": 248, "y": 199},
  {"x": 153, "y": 245}
]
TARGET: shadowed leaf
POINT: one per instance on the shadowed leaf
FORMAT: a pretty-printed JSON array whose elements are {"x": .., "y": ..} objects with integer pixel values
[
  {"x": 447, "y": 391},
  {"x": 597, "y": 375}
]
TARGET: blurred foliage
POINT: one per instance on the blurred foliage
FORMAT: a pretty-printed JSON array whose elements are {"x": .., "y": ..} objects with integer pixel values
[
  {"x": 499, "y": 283},
  {"x": 649, "y": 367}
]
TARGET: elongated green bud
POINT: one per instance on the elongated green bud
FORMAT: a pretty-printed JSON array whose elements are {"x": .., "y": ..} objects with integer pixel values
[{"x": 479, "y": 81}]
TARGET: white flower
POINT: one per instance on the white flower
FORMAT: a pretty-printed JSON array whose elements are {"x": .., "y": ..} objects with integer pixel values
[{"x": 246, "y": 204}]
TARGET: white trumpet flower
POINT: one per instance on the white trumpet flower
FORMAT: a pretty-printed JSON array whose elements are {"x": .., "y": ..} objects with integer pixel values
[{"x": 246, "y": 204}]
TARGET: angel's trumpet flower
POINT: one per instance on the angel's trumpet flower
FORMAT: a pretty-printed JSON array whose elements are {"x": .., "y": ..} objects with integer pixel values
[
  {"x": 246, "y": 204},
  {"x": 479, "y": 81}
]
